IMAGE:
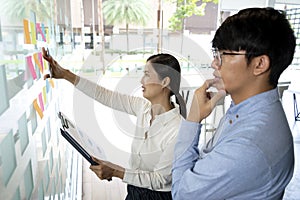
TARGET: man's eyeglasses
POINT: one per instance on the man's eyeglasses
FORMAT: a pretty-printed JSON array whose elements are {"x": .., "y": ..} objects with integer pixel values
[{"x": 218, "y": 56}]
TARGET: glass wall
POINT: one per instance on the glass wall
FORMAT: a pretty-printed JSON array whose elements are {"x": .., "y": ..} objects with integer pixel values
[{"x": 34, "y": 161}]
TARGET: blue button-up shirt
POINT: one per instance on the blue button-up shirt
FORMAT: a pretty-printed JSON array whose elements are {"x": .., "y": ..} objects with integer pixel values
[{"x": 251, "y": 155}]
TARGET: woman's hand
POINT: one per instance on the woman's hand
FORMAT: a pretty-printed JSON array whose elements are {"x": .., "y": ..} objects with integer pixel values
[
  {"x": 107, "y": 170},
  {"x": 203, "y": 102},
  {"x": 56, "y": 71}
]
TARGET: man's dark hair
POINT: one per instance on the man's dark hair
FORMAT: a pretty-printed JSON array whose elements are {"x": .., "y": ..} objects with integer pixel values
[{"x": 259, "y": 31}]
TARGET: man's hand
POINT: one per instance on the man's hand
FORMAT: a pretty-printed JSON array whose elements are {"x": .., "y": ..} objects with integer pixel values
[{"x": 204, "y": 102}]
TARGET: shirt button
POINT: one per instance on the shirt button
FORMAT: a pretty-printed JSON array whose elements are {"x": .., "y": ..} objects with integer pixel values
[
  {"x": 230, "y": 121},
  {"x": 237, "y": 116}
]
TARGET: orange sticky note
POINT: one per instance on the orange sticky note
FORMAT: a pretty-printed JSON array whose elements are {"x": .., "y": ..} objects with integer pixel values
[
  {"x": 38, "y": 62},
  {"x": 51, "y": 82},
  {"x": 38, "y": 109},
  {"x": 26, "y": 32}
]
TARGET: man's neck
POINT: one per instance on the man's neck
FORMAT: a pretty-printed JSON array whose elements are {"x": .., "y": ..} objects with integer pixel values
[{"x": 238, "y": 97}]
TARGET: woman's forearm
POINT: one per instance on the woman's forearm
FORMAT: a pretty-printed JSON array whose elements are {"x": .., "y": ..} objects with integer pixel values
[
  {"x": 119, "y": 172},
  {"x": 71, "y": 77}
]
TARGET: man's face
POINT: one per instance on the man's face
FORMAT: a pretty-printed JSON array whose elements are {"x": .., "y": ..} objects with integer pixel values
[{"x": 232, "y": 72}]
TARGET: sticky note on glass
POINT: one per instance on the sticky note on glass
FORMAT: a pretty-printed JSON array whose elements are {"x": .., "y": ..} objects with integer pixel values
[
  {"x": 31, "y": 67},
  {"x": 37, "y": 61},
  {"x": 41, "y": 31},
  {"x": 41, "y": 102},
  {"x": 38, "y": 109},
  {"x": 33, "y": 33},
  {"x": 27, "y": 39}
]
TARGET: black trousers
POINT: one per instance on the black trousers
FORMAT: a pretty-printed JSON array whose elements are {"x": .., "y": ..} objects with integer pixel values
[{"x": 138, "y": 193}]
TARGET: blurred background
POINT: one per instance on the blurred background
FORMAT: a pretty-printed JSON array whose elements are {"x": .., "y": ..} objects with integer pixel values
[{"x": 108, "y": 42}]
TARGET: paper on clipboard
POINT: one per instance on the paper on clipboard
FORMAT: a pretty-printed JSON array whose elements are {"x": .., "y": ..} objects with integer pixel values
[{"x": 83, "y": 139}]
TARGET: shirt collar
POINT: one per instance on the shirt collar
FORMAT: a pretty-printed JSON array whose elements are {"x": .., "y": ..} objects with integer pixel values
[
  {"x": 167, "y": 116},
  {"x": 256, "y": 102}
]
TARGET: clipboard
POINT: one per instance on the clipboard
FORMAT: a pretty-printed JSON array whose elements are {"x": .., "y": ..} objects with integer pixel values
[
  {"x": 72, "y": 141},
  {"x": 77, "y": 146}
]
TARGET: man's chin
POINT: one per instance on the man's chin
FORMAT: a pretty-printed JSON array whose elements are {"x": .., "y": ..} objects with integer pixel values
[{"x": 220, "y": 85}]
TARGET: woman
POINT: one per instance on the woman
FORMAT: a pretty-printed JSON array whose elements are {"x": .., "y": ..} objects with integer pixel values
[{"x": 156, "y": 130}]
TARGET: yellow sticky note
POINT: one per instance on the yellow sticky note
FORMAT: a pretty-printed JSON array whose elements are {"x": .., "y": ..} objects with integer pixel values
[
  {"x": 47, "y": 35},
  {"x": 33, "y": 32},
  {"x": 44, "y": 95},
  {"x": 45, "y": 64}
]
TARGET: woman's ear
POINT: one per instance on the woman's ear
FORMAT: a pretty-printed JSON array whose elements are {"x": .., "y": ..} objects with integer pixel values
[
  {"x": 166, "y": 82},
  {"x": 261, "y": 64}
]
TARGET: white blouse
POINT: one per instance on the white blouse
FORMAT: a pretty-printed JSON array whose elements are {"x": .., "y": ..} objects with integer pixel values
[{"x": 152, "y": 146}]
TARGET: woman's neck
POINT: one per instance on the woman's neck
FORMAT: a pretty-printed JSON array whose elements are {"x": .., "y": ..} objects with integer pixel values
[
  {"x": 159, "y": 108},
  {"x": 160, "y": 104}
]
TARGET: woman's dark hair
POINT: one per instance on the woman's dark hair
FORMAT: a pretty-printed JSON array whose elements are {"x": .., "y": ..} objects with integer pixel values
[
  {"x": 167, "y": 65},
  {"x": 259, "y": 31}
]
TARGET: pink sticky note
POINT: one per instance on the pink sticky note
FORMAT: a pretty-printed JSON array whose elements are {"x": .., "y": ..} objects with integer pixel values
[
  {"x": 31, "y": 67},
  {"x": 41, "y": 59},
  {"x": 41, "y": 102},
  {"x": 40, "y": 31}
]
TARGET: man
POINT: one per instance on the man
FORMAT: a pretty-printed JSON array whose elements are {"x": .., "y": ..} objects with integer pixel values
[{"x": 251, "y": 155}]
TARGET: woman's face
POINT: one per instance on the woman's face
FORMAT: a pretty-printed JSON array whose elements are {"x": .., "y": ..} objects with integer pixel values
[{"x": 151, "y": 83}]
